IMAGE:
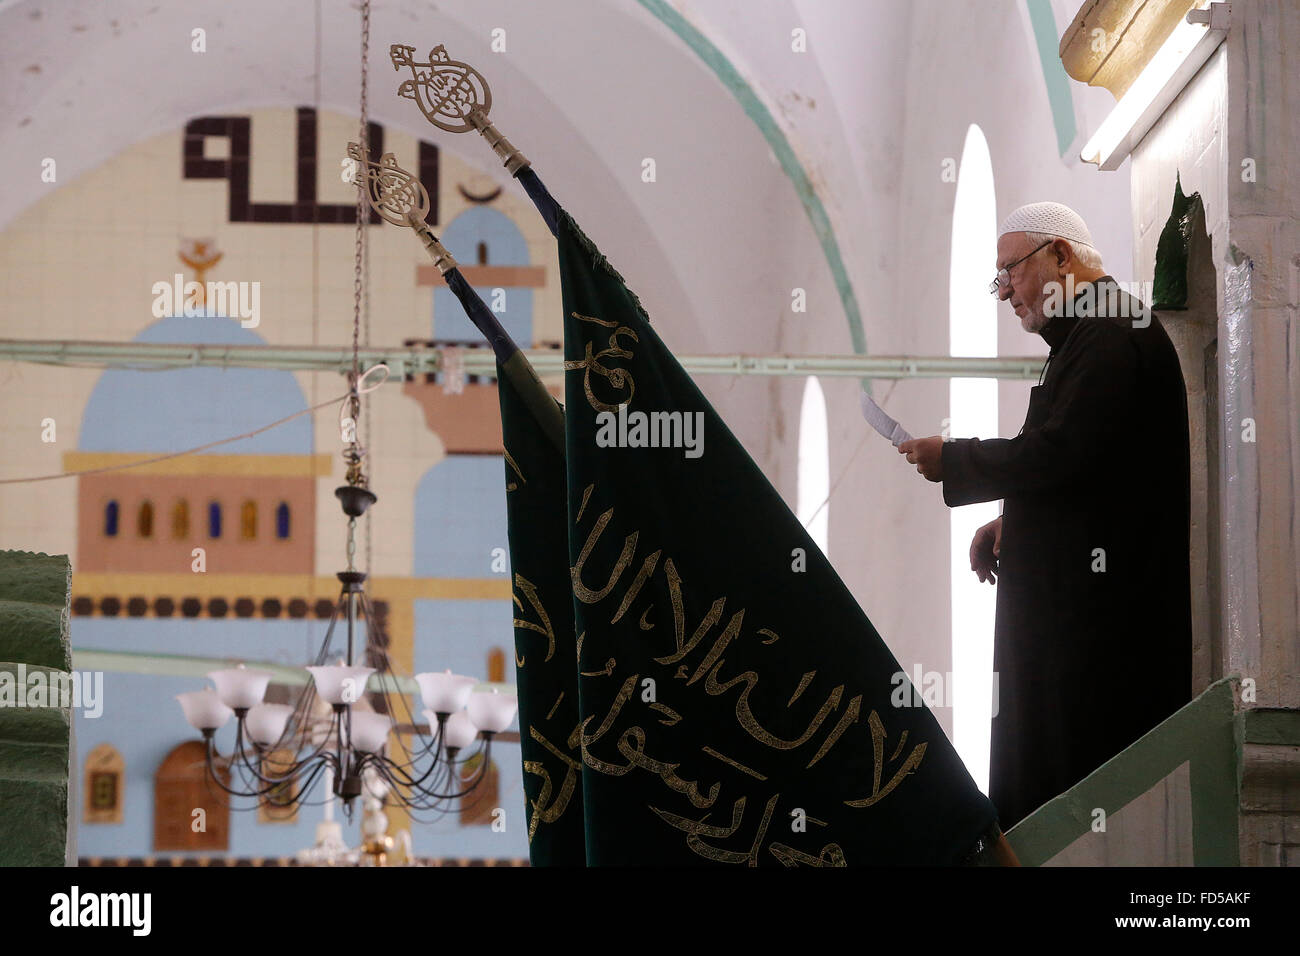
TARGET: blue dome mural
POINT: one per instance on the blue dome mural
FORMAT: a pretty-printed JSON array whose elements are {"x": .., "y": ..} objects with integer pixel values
[
  {"x": 505, "y": 246},
  {"x": 131, "y": 411}
]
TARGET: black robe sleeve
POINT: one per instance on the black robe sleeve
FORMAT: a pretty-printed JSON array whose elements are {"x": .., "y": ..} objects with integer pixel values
[{"x": 1089, "y": 401}]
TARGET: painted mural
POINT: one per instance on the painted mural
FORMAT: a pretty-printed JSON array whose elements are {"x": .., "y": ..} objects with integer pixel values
[{"x": 230, "y": 553}]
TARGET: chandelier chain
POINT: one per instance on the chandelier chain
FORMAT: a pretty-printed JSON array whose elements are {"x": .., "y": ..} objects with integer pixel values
[
  {"x": 365, "y": 235},
  {"x": 363, "y": 216},
  {"x": 355, "y": 452}
]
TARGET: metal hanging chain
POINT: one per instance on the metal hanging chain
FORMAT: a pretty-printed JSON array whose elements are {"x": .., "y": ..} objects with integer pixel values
[
  {"x": 356, "y": 452},
  {"x": 363, "y": 212}
]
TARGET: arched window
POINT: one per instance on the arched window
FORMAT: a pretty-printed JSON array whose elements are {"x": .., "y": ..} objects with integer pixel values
[
  {"x": 103, "y": 780},
  {"x": 477, "y": 806},
  {"x": 282, "y": 520},
  {"x": 482, "y": 253},
  {"x": 248, "y": 520},
  {"x": 973, "y": 412},
  {"x": 814, "y": 481},
  {"x": 144, "y": 521},
  {"x": 181, "y": 519},
  {"x": 181, "y": 788},
  {"x": 110, "y": 519},
  {"x": 496, "y": 666},
  {"x": 277, "y": 805},
  {"x": 214, "y": 520}
]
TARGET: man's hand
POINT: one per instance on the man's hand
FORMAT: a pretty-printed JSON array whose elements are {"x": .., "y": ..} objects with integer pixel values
[
  {"x": 984, "y": 550},
  {"x": 926, "y": 454}
]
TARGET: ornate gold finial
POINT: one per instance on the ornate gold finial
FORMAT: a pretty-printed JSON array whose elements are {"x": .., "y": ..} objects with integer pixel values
[
  {"x": 391, "y": 191},
  {"x": 453, "y": 96},
  {"x": 401, "y": 199},
  {"x": 446, "y": 90}
]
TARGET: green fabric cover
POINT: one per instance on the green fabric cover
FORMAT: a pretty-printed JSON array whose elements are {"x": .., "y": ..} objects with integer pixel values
[
  {"x": 34, "y": 742},
  {"x": 1169, "y": 290}
]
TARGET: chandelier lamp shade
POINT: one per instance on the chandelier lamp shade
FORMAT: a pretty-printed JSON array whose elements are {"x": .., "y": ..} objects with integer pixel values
[{"x": 345, "y": 722}]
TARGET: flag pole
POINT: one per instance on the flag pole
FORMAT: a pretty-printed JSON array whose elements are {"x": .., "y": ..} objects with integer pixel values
[{"x": 401, "y": 199}]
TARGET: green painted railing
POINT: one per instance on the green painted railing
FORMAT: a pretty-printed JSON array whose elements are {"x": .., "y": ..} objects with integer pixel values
[{"x": 1206, "y": 733}]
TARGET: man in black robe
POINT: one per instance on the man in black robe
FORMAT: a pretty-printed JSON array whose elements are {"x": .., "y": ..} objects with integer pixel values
[{"x": 1092, "y": 641}]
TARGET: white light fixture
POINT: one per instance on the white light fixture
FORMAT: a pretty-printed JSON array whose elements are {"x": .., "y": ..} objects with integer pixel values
[
  {"x": 1164, "y": 77},
  {"x": 460, "y": 731},
  {"x": 204, "y": 710},
  {"x": 266, "y": 722},
  {"x": 340, "y": 683},
  {"x": 240, "y": 688},
  {"x": 445, "y": 693},
  {"x": 491, "y": 711},
  {"x": 369, "y": 731}
]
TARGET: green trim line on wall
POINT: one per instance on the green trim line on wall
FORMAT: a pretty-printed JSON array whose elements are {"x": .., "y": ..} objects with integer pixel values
[
  {"x": 1057, "y": 82},
  {"x": 776, "y": 139},
  {"x": 1054, "y": 76},
  {"x": 1206, "y": 733}
]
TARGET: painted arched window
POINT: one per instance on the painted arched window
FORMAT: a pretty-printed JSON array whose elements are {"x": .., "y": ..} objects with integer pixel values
[
  {"x": 496, "y": 666},
  {"x": 180, "y": 788},
  {"x": 482, "y": 252},
  {"x": 103, "y": 785},
  {"x": 814, "y": 481},
  {"x": 248, "y": 520},
  {"x": 477, "y": 806},
  {"x": 282, "y": 520},
  {"x": 181, "y": 519},
  {"x": 277, "y": 805},
  {"x": 110, "y": 519},
  {"x": 214, "y": 519},
  {"x": 144, "y": 520},
  {"x": 973, "y": 412}
]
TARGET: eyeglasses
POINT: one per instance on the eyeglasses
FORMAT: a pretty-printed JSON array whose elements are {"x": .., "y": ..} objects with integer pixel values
[{"x": 1004, "y": 274}]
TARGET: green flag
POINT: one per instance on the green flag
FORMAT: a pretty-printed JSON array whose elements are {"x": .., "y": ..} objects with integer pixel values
[
  {"x": 735, "y": 705},
  {"x": 546, "y": 668}
]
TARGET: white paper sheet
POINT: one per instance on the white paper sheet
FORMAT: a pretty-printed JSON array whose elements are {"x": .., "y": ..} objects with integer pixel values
[{"x": 877, "y": 419}]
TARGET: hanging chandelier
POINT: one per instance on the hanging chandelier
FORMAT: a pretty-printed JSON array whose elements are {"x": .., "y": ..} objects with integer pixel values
[
  {"x": 338, "y": 730},
  {"x": 342, "y": 727}
]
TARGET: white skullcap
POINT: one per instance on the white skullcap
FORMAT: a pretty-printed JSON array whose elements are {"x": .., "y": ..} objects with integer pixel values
[{"x": 1051, "y": 218}]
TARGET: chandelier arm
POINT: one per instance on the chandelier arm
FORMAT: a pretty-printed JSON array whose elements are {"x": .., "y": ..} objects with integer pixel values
[
  {"x": 309, "y": 764},
  {"x": 429, "y": 745},
  {"x": 398, "y": 775},
  {"x": 334, "y": 733},
  {"x": 427, "y": 792},
  {"x": 398, "y": 789},
  {"x": 439, "y": 760},
  {"x": 246, "y": 761},
  {"x": 447, "y": 772},
  {"x": 485, "y": 762},
  {"x": 324, "y": 653},
  {"x": 433, "y": 746},
  {"x": 212, "y": 773},
  {"x": 300, "y": 797},
  {"x": 416, "y": 799}
]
